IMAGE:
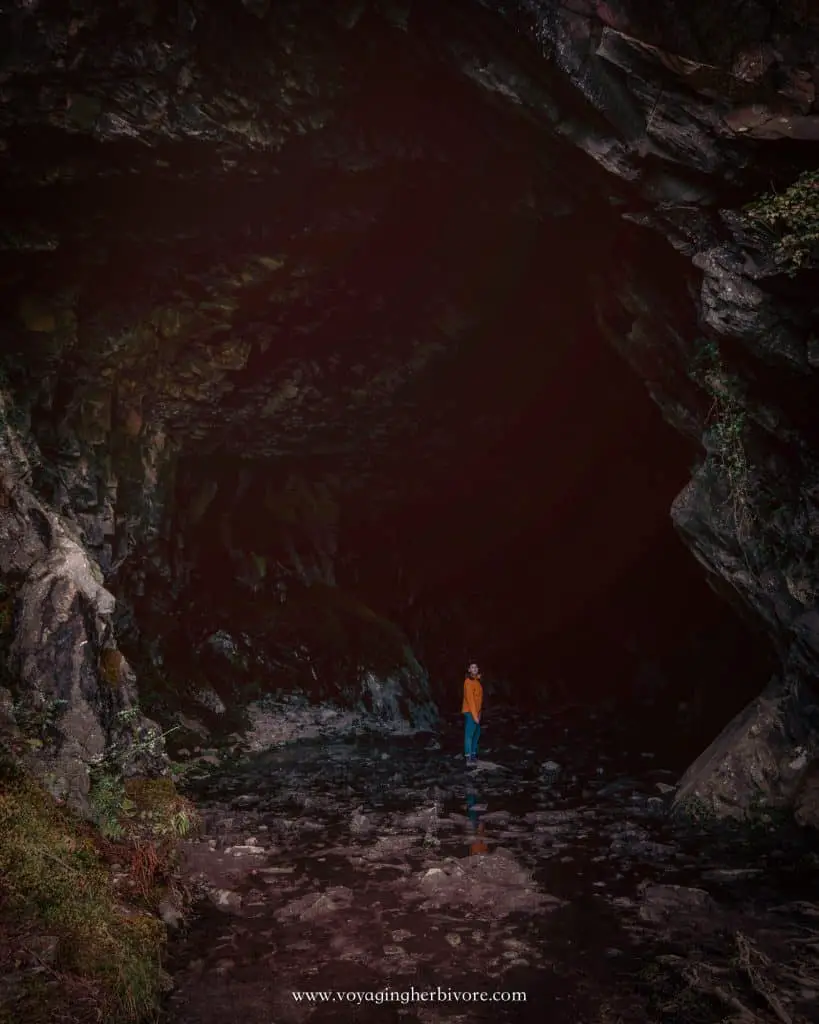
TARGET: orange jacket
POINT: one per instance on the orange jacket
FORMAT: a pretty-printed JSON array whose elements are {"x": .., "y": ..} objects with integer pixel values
[{"x": 473, "y": 697}]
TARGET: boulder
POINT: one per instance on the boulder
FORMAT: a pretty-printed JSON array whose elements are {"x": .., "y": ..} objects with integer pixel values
[
  {"x": 672, "y": 904},
  {"x": 761, "y": 761}
]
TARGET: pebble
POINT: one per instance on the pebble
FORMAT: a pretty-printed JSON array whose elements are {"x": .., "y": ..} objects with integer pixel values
[
  {"x": 225, "y": 899},
  {"x": 170, "y": 914},
  {"x": 315, "y": 803}
]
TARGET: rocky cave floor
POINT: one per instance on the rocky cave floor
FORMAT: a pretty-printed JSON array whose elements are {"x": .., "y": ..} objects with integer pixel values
[{"x": 362, "y": 864}]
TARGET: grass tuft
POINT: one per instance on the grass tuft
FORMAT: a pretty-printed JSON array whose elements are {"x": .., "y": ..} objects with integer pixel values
[{"x": 54, "y": 883}]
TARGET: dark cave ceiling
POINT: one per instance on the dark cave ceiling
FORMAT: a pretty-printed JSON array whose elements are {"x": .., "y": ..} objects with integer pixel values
[{"x": 385, "y": 247}]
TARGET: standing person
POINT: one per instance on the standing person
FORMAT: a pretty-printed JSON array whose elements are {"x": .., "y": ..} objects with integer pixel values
[{"x": 473, "y": 701}]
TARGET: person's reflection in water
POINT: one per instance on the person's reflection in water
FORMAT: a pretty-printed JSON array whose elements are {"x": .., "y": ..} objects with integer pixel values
[
  {"x": 471, "y": 808},
  {"x": 477, "y": 846}
]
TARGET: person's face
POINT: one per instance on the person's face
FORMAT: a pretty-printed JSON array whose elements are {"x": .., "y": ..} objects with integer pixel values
[{"x": 473, "y": 670}]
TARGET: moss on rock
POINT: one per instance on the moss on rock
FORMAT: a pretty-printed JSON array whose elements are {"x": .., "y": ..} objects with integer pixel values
[
  {"x": 112, "y": 666},
  {"x": 55, "y": 885},
  {"x": 157, "y": 804}
]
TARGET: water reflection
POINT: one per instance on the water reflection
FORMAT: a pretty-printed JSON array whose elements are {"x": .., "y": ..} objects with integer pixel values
[
  {"x": 353, "y": 839},
  {"x": 473, "y": 809}
]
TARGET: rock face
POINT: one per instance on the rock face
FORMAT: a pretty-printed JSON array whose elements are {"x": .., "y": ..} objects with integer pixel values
[
  {"x": 244, "y": 299},
  {"x": 764, "y": 758},
  {"x": 75, "y": 691}
]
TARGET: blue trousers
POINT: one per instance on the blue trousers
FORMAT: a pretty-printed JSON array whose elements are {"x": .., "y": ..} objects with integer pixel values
[{"x": 472, "y": 731}]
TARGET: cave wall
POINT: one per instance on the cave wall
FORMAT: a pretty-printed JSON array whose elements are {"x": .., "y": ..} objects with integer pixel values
[
  {"x": 220, "y": 243},
  {"x": 68, "y": 697}
]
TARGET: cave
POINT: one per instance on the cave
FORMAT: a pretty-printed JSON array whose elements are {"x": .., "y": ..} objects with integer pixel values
[
  {"x": 344, "y": 344},
  {"x": 539, "y": 538}
]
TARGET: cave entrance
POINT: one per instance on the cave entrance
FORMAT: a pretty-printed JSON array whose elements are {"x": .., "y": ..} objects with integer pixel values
[
  {"x": 544, "y": 548},
  {"x": 430, "y": 433},
  {"x": 524, "y": 521}
]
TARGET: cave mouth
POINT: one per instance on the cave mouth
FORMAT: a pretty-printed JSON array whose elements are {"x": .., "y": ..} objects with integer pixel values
[
  {"x": 353, "y": 374},
  {"x": 343, "y": 343},
  {"x": 523, "y": 522}
]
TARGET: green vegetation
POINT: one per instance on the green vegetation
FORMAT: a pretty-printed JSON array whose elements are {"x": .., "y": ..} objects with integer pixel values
[
  {"x": 727, "y": 420},
  {"x": 119, "y": 810},
  {"x": 103, "y": 959},
  {"x": 37, "y": 722},
  {"x": 696, "y": 810},
  {"x": 158, "y": 803},
  {"x": 81, "y": 941},
  {"x": 107, "y": 800},
  {"x": 140, "y": 808},
  {"x": 792, "y": 217}
]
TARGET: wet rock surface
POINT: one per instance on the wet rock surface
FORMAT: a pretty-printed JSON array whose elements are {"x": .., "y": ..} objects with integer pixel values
[{"x": 365, "y": 865}]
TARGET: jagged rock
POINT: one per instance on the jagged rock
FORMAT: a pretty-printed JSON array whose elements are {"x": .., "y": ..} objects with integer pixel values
[
  {"x": 226, "y": 899},
  {"x": 762, "y": 759},
  {"x": 490, "y": 883},
  {"x": 403, "y": 696},
  {"x": 191, "y": 725},
  {"x": 675, "y": 904},
  {"x": 211, "y": 700},
  {"x": 63, "y": 629},
  {"x": 317, "y": 905}
]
